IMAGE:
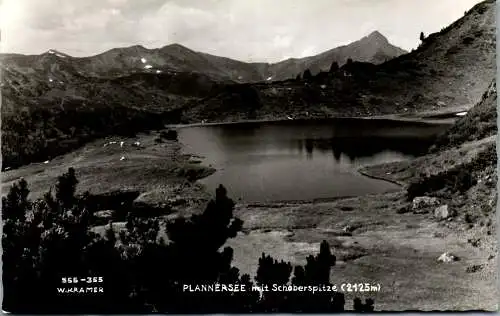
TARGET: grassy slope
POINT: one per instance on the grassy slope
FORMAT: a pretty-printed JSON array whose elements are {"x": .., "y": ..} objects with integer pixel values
[
  {"x": 481, "y": 122},
  {"x": 450, "y": 70},
  {"x": 470, "y": 146},
  {"x": 156, "y": 170}
]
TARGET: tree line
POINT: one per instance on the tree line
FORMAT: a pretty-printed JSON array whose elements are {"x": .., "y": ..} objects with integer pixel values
[{"x": 51, "y": 238}]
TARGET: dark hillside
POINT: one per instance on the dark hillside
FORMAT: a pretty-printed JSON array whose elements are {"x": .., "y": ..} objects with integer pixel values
[{"x": 44, "y": 118}]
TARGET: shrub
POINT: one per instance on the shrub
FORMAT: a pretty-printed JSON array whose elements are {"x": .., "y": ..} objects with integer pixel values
[
  {"x": 170, "y": 134},
  {"x": 471, "y": 218},
  {"x": 463, "y": 180},
  {"x": 468, "y": 40},
  {"x": 458, "y": 179}
]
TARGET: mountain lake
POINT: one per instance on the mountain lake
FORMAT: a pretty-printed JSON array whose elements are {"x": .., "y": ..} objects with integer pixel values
[{"x": 304, "y": 160}]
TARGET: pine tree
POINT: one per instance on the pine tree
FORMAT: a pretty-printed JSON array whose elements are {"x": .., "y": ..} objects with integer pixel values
[
  {"x": 307, "y": 74},
  {"x": 66, "y": 188},
  {"x": 334, "y": 67},
  {"x": 15, "y": 204}
]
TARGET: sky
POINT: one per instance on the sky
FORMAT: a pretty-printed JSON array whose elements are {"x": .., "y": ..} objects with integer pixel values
[{"x": 247, "y": 30}]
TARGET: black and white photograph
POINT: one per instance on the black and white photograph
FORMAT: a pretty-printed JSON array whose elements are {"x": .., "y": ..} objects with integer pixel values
[{"x": 248, "y": 156}]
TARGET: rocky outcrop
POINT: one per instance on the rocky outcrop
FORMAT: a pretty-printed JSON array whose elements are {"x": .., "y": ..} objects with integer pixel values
[
  {"x": 442, "y": 212},
  {"x": 421, "y": 204}
]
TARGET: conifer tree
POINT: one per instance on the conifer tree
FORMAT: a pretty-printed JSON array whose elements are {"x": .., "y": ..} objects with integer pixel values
[{"x": 307, "y": 74}]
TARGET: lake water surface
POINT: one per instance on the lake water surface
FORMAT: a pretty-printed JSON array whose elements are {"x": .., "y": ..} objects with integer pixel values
[{"x": 304, "y": 160}]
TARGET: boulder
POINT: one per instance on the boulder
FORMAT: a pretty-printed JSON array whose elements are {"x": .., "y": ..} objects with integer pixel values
[
  {"x": 442, "y": 212},
  {"x": 105, "y": 214},
  {"x": 423, "y": 202},
  {"x": 447, "y": 258}
]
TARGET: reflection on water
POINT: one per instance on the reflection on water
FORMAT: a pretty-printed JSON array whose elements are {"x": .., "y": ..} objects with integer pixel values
[
  {"x": 359, "y": 148},
  {"x": 303, "y": 160}
]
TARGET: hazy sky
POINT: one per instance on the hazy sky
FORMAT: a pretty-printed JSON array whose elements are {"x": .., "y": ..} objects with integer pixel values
[{"x": 249, "y": 30}]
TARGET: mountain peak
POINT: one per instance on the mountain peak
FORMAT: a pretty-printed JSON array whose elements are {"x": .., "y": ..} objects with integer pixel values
[{"x": 377, "y": 36}]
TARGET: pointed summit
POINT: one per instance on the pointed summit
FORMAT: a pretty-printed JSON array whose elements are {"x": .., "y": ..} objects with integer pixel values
[{"x": 377, "y": 36}]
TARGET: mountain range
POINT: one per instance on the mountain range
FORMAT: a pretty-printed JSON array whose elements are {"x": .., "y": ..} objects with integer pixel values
[{"x": 374, "y": 48}]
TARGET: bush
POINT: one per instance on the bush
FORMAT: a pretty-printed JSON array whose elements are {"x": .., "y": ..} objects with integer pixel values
[
  {"x": 471, "y": 218},
  {"x": 170, "y": 134},
  {"x": 468, "y": 40},
  {"x": 458, "y": 179},
  {"x": 463, "y": 180}
]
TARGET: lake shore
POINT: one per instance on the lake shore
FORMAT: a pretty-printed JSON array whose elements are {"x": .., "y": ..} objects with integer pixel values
[{"x": 417, "y": 118}]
